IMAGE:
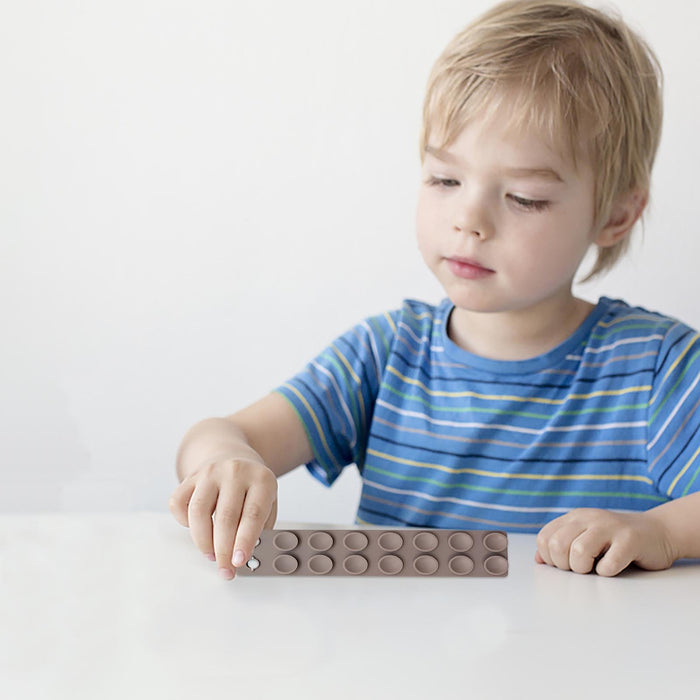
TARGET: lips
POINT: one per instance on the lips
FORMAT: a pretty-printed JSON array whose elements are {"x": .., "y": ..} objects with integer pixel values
[{"x": 467, "y": 268}]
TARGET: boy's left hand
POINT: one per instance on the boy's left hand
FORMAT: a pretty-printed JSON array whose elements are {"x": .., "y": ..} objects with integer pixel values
[{"x": 587, "y": 538}]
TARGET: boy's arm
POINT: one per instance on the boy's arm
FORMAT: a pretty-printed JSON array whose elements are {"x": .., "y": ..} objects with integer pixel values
[
  {"x": 268, "y": 429},
  {"x": 229, "y": 466},
  {"x": 589, "y": 538}
]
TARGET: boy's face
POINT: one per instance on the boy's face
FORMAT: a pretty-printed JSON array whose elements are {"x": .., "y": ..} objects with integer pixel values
[{"x": 503, "y": 221}]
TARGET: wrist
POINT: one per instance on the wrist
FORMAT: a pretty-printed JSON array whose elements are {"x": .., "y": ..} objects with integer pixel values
[
  {"x": 680, "y": 523},
  {"x": 660, "y": 522},
  {"x": 210, "y": 440}
]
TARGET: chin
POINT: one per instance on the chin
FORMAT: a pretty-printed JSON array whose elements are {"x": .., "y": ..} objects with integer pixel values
[{"x": 478, "y": 300}]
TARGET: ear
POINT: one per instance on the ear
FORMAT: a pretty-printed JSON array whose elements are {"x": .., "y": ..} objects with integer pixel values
[{"x": 624, "y": 215}]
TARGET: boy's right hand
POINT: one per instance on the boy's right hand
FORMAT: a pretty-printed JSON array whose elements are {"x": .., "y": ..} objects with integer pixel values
[{"x": 240, "y": 494}]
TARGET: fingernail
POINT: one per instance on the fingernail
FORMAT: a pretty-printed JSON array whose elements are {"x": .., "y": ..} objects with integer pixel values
[
  {"x": 210, "y": 556},
  {"x": 226, "y": 574},
  {"x": 238, "y": 558}
]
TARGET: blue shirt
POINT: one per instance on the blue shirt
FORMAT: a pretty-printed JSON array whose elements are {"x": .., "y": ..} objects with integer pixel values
[{"x": 444, "y": 438}]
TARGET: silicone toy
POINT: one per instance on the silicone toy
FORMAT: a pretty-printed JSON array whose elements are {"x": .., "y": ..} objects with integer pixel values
[{"x": 377, "y": 552}]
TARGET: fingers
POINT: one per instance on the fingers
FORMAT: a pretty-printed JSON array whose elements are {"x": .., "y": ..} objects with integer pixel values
[
  {"x": 586, "y": 549},
  {"x": 180, "y": 500},
  {"x": 227, "y": 503},
  {"x": 617, "y": 558},
  {"x": 554, "y": 542},
  {"x": 226, "y": 519},
  {"x": 587, "y": 540},
  {"x": 199, "y": 513},
  {"x": 272, "y": 518},
  {"x": 256, "y": 512}
]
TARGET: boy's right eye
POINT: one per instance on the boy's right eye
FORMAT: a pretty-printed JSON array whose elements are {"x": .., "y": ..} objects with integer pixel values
[{"x": 442, "y": 182}]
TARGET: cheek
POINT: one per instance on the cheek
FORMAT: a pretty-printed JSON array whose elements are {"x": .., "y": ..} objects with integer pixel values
[
  {"x": 568, "y": 250},
  {"x": 424, "y": 244},
  {"x": 550, "y": 255},
  {"x": 425, "y": 225}
]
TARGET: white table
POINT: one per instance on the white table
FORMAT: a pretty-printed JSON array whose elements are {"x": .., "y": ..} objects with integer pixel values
[{"x": 124, "y": 606}]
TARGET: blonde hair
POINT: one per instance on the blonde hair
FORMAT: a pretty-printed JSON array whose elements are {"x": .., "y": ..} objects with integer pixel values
[{"x": 581, "y": 77}]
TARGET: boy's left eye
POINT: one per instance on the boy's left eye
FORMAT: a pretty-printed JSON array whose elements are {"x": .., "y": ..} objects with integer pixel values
[
  {"x": 529, "y": 204},
  {"x": 442, "y": 182}
]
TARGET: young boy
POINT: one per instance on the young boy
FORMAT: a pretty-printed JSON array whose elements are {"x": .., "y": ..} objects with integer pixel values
[{"x": 512, "y": 404}]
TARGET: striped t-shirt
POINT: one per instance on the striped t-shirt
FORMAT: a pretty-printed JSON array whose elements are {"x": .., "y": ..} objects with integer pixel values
[{"x": 444, "y": 438}]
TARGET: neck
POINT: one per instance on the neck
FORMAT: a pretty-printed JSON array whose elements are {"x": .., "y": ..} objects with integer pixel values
[{"x": 518, "y": 334}]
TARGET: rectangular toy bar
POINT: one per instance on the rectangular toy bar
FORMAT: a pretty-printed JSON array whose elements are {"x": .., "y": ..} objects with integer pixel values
[{"x": 377, "y": 552}]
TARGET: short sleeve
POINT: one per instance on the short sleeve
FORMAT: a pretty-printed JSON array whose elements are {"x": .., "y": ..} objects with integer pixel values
[
  {"x": 334, "y": 395},
  {"x": 674, "y": 414}
]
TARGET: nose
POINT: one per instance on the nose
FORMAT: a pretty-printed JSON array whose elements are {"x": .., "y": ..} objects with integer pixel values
[{"x": 471, "y": 215}]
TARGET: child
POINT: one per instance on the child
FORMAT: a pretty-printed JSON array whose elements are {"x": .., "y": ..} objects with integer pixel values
[{"x": 512, "y": 404}]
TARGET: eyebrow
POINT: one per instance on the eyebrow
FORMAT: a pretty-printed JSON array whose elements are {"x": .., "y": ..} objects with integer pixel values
[{"x": 542, "y": 172}]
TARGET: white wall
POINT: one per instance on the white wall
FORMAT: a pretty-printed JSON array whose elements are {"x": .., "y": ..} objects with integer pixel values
[{"x": 198, "y": 196}]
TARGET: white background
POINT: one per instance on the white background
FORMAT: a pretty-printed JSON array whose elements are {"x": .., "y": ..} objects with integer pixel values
[{"x": 195, "y": 197}]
